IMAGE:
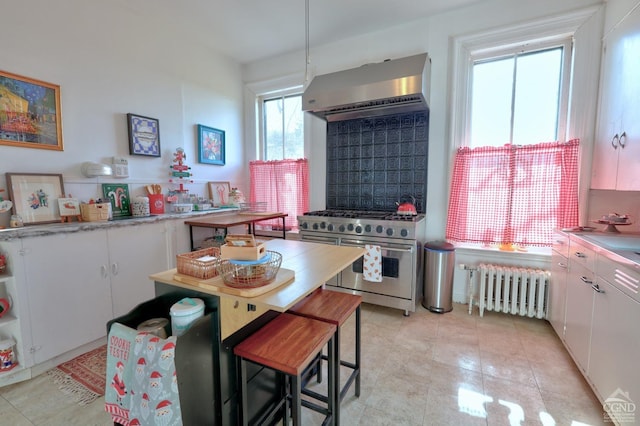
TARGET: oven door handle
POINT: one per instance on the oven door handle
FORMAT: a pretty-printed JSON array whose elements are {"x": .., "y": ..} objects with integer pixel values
[
  {"x": 332, "y": 241},
  {"x": 361, "y": 244}
]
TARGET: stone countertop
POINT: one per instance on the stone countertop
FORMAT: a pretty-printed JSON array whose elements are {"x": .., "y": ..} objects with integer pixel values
[{"x": 29, "y": 231}]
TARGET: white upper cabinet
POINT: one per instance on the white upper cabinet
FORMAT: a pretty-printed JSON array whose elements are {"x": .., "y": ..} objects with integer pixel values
[{"x": 616, "y": 156}]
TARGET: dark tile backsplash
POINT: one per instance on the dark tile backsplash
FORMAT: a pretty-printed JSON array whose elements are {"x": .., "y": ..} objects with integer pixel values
[{"x": 374, "y": 162}]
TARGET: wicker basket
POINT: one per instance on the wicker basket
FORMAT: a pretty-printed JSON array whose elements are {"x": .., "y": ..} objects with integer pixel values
[
  {"x": 250, "y": 274},
  {"x": 95, "y": 212},
  {"x": 201, "y": 264}
]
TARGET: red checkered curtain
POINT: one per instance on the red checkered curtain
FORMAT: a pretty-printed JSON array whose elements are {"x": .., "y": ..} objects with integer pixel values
[
  {"x": 513, "y": 194},
  {"x": 284, "y": 186}
]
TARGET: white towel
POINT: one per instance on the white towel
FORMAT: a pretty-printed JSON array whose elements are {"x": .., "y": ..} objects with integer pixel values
[{"x": 372, "y": 264}]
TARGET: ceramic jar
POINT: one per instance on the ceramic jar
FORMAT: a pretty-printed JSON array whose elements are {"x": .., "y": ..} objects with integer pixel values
[
  {"x": 7, "y": 355},
  {"x": 140, "y": 207}
]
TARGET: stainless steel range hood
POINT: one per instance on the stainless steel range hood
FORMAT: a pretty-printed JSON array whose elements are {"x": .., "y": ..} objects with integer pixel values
[{"x": 389, "y": 87}]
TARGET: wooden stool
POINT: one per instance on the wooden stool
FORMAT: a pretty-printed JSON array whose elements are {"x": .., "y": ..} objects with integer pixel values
[
  {"x": 288, "y": 344},
  {"x": 334, "y": 308}
]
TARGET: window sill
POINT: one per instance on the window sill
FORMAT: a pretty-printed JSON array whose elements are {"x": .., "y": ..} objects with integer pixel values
[{"x": 495, "y": 249}]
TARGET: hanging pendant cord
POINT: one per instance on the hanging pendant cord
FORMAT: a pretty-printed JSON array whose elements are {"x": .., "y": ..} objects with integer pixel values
[{"x": 306, "y": 40}]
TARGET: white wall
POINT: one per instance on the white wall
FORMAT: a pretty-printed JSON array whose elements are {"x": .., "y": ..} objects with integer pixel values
[{"x": 110, "y": 59}]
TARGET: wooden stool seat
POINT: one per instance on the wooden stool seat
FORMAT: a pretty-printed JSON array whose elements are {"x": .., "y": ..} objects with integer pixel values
[
  {"x": 288, "y": 343},
  {"x": 335, "y": 308},
  {"x": 328, "y": 306}
]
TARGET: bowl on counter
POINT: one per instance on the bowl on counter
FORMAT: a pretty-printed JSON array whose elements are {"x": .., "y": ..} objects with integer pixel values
[{"x": 182, "y": 208}]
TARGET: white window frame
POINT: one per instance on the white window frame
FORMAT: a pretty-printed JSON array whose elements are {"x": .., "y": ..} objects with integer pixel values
[
  {"x": 534, "y": 35},
  {"x": 566, "y": 43},
  {"x": 260, "y": 114}
]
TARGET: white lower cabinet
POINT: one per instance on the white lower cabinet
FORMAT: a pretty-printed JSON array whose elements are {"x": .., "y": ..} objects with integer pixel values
[
  {"x": 135, "y": 252},
  {"x": 67, "y": 281},
  {"x": 558, "y": 285},
  {"x": 601, "y": 324},
  {"x": 78, "y": 281},
  {"x": 578, "y": 315},
  {"x": 615, "y": 346}
]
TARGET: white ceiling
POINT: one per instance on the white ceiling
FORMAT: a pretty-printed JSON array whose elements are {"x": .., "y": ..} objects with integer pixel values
[{"x": 250, "y": 30}]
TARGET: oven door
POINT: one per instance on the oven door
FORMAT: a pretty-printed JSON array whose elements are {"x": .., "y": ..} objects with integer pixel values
[
  {"x": 323, "y": 239},
  {"x": 398, "y": 269}
]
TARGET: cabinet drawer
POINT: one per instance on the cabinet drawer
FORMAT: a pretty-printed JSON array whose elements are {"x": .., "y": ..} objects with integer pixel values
[
  {"x": 625, "y": 278},
  {"x": 581, "y": 254},
  {"x": 561, "y": 243}
]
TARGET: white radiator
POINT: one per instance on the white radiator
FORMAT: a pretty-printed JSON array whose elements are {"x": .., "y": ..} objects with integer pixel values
[{"x": 512, "y": 289}]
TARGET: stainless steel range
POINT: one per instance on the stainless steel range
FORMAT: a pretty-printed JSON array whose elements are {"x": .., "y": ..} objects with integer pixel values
[{"x": 398, "y": 237}]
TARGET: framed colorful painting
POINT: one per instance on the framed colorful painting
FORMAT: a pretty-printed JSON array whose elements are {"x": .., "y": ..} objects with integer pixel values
[
  {"x": 210, "y": 145},
  {"x": 30, "y": 115},
  {"x": 35, "y": 196},
  {"x": 144, "y": 135},
  {"x": 118, "y": 196}
]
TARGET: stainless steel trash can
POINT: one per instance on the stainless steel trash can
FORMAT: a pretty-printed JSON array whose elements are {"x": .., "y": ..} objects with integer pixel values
[{"x": 438, "y": 276}]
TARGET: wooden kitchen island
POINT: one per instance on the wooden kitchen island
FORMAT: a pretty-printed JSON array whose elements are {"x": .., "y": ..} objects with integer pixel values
[{"x": 206, "y": 366}]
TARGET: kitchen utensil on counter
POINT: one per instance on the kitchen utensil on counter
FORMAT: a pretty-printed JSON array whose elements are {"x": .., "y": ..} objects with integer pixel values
[
  {"x": 407, "y": 208},
  {"x": 154, "y": 189}
]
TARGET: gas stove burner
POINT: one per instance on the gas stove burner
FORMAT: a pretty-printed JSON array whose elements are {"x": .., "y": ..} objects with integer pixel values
[{"x": 363, "y": 214}]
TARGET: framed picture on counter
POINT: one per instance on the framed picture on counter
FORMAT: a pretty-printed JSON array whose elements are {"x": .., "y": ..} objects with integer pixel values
[
  {"x": 35, "y": 196},
  {"x": 118, "y": 195},
  {"x": 69, "y": 206},
  {"x": 210, "y": 145},
  {"x": 219, "y": 193}
]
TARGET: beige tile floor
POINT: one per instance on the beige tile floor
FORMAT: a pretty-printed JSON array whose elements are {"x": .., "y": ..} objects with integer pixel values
[{"x": 426, "y": 369}]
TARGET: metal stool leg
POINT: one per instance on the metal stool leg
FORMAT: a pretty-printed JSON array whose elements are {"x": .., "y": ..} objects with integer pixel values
[
  {"x": 296, "y": 404},
  {"x": 243, "y": 392}
]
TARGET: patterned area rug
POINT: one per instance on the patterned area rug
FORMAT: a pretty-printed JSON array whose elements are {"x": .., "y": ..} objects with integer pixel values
[{"x": 83, "y": 378}]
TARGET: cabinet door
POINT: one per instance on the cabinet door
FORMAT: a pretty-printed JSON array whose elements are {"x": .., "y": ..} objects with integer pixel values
[
  {"x": 558, "y": 293},
  {"x": 578, "y": 313},
  {"x": 135, "y": 252},
  {"x": 68, "y": 288},
  {"x": 626, "y": 43},
  {"x": 605, "y": 150},
  {"x": 616, "y": 162},
  {"x": 615, "y": 346}
]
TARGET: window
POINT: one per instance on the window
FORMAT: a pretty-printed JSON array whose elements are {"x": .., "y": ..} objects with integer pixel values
[
  {"x": 517, "y": 98},
  {"x": 280, "y": 181},
  {"x": 283, "y": 128},
  {"x": 515, "y": 178}
]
